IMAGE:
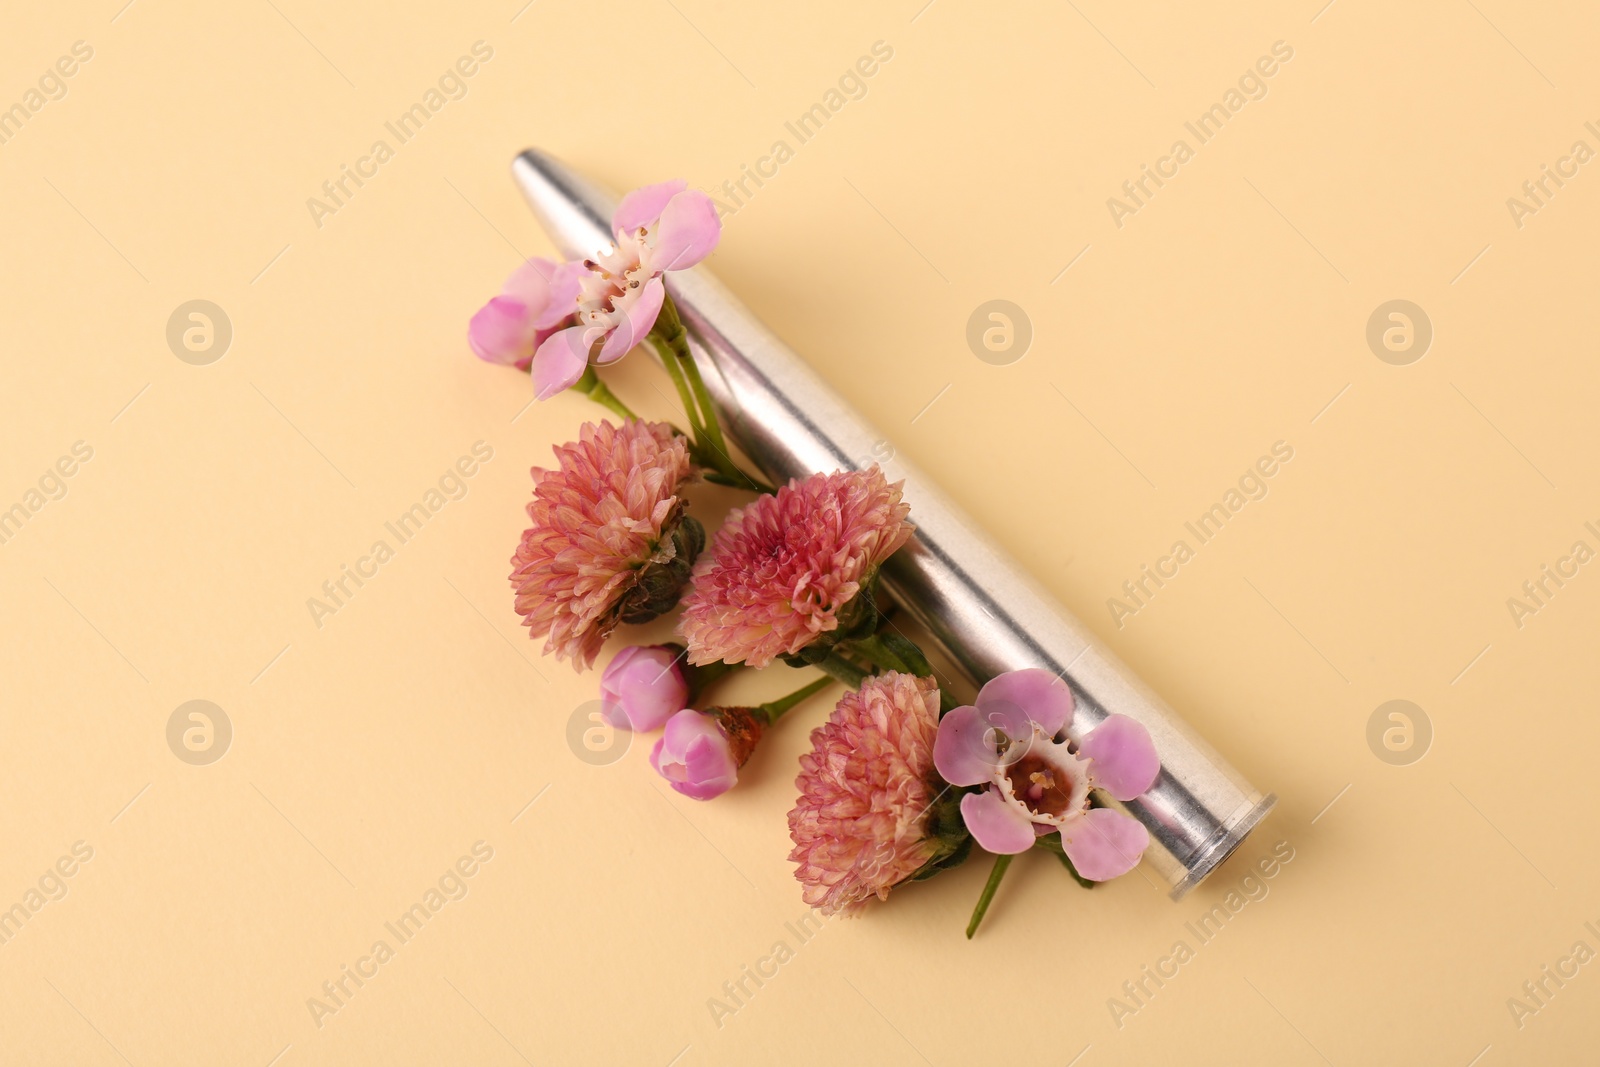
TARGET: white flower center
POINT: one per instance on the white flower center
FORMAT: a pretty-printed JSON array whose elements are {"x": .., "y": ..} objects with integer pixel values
[
  {"x": 614, "y": 281},
  {"x": 1044, "y": 779}
]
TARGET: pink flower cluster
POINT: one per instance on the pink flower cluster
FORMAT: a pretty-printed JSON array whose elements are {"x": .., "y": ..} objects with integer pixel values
[
  {"x": 890, "y": 792},
  {"x": 781, "y": 572}
]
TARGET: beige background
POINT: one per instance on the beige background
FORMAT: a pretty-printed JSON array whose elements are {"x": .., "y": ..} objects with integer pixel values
[{"x": 1227, "y": 314}]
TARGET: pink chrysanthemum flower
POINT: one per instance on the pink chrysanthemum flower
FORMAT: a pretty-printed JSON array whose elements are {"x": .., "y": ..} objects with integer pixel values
[
  {"x": 609, "y": 542},
  {"x": 785, "y": 566},
  {"x": 861, "y": 825}
]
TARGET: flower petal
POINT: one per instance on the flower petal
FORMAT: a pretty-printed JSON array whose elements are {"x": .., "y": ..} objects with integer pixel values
[
  {"x": 961, "y": 753},
  {"x": 530, "y": 283},
  {"x": 996, "y": 825},
  {"x": 644, "y": 205},
  {"x": 560, "y": 361},
  {"x": 612, "y": 711},
  {"x": 1013, "y": 700},
  {"x": 709, "y": 764},
  {"x": 1102, "y": 843},
  {"x": 689, "y": 231},
  {"x": 648, "y": 714},
  {"x": 688, "y": 727},
  {"x": 1124, "y": 757},
  {"x": 636, "y": 322},
  {"x": 501, "y": 331},
  {"x": 565, "y": 285},
  {"x": 548, "y": 290},
  {"x": 539, "y": 338}
]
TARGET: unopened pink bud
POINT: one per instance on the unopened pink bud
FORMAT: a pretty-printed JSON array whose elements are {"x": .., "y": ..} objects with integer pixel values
[{"x": 643, "y": 686}]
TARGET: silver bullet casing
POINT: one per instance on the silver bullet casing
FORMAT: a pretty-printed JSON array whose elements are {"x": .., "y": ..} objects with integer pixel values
[{"x": 988, "y": 615}]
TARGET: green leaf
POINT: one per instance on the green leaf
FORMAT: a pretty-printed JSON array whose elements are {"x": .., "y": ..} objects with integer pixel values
[{"x": 712, "y": 475}]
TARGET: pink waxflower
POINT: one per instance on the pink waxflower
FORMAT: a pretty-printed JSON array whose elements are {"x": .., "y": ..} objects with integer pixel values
[
  {"x": 700, "y": 752},
  {"x": 658, "y": 228},
  {"x": 786, "y": 566},
  {"x": 609, "y": 541},
  {"x": 1037, "y": 784},
  {"x": 861, "y": 825},
  {"x": 538, "y": 297},
  {"x": 643, "y": 686}
]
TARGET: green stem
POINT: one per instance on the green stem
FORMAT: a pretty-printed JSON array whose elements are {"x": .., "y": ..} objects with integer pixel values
[
  {"x": 669, "y": 360},
  {"x": 591, "y": 386},
  {"x": 774, "y": 708},
  {"x": 671, "y": 343},
  {"x": 876, "y": 649},
  {"x": 999, "y": 872},
  {"x": 842, "y": 669},
  {"x": 673, "y": 333},
  {"x": 906, "y": 649},
  {"x": 707, "y": 406}
]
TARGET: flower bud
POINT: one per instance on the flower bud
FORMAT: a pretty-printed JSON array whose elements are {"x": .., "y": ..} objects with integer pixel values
[
  {"x": 700, "y": 752},
  {"x": 643, "y": 686}
]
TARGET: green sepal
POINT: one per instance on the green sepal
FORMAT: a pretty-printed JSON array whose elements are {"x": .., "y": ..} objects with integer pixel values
[
  {"x": 661, "y": 581},
  {"x": 857, "y": 619},
  {"x": 949, "y": 831},
  {"x": 955, "y": 858},
  {"x": 1051, "y": 843}
]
